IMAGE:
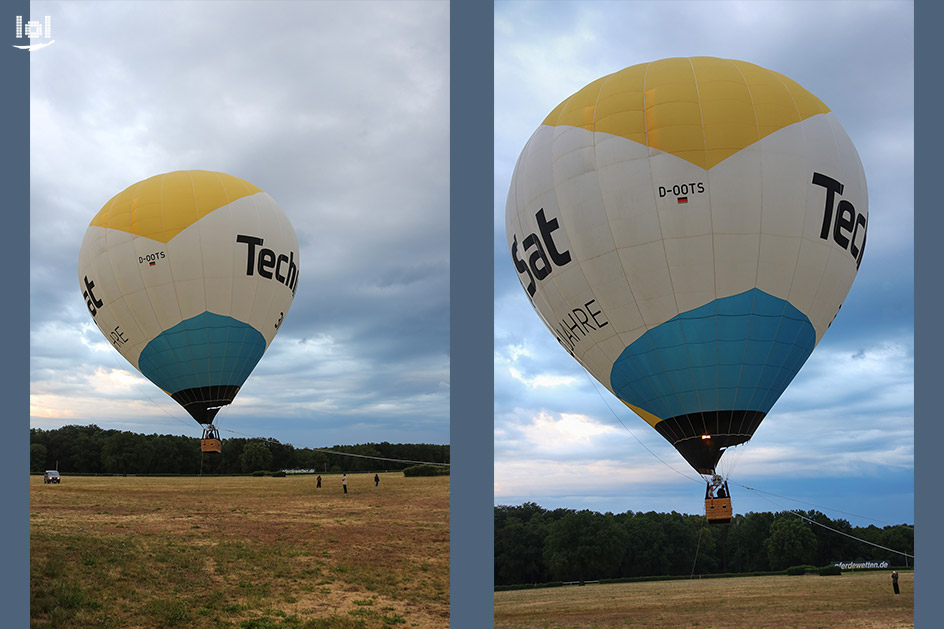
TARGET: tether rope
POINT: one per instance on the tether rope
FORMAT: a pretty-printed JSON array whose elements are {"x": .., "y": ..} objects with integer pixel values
[
  {"x": 137, "y": 384},
  {"x": 697, "y": 546},
  {"x": 756, "y": 490},
  {"x": 605, "y": 403},
  {"x": 327, "y": 451},
  {"x": 856, "y": 515},
  {"x": 828, "y": 528}
]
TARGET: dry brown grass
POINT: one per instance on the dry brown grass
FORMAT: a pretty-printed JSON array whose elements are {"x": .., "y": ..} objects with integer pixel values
[
  {"x": 252, "y": 552},
  {"x": 863, "y": 600}
]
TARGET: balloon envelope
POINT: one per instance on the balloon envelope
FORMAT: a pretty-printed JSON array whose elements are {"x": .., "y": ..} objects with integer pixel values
[
  {"x": 189, "y": 275},
  {"x": 688, "y": 229}
]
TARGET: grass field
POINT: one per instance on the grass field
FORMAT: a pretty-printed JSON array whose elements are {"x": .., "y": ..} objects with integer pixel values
[
  {"x": 248, "y": 552},
  {"x": 863, "y": 600}
]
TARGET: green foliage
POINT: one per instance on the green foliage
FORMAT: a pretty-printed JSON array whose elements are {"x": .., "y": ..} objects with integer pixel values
[
  {"x": 791, "y": 542},
  {"x": 798, "y": 570},
  {"x": 127, "y": 453},
  {"x": 662, "y": 545},
  {"x": 38, "y": 456},
  {"x": 898, "y": 537},
  {"x": 677, "y": 577},
  {"x": 830, "y": 570},
  {"x": 519, "y": 544},
  {"x": 747, "y": 542},
  {"x": 426, "y": 470},
  {"x": 584, "y": 545},
  {"x": 666, "y": 543},
  {"x": 92, "y": 450},
  {"x": 255, "y": 456}
]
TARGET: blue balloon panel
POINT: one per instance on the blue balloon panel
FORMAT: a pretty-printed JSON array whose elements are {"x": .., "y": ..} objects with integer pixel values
[
  {"x": 736, "y": 353},
  {"x": 207, "y": 350}
]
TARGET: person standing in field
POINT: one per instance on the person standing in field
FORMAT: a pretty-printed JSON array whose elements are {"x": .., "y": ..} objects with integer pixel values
[
  {"x": 318, "y": 486},
  {"x": 344, "y": 482},
  {"x": 895, "y": 581},
  {"x": 376, "y": 480}
]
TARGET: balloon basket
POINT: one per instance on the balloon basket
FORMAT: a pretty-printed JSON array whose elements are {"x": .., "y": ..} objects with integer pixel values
[
  {"x": 211, "y": 440},
  {"x": 211, "y": 445},
  {"x": 718, "y": 510}
]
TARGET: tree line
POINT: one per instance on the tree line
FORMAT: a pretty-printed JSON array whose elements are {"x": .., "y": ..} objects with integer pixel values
[
  {"x": 537, "y": 545},
  {"x": 92, "y": 450}
]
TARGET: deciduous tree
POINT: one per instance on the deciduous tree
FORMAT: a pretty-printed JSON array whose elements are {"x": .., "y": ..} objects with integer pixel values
[
  {"x": 791, "y": 543},
  {"x": 584, "y": 545}
]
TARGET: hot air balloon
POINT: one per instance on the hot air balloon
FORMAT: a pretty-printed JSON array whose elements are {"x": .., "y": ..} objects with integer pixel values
[
  {"x": 189, "y": 275},
  {"x": 688, "y": 229}
]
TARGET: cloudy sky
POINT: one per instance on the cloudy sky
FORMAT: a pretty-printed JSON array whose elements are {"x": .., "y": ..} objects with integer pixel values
[
  {"x": 841, "y": 438},
  {"x": 340, "y": 111}
]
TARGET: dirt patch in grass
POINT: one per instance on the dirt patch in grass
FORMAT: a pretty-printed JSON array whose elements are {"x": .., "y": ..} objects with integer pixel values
[
  {"x": 861, "y": 600},
  {"x": 251, "y": 552}
]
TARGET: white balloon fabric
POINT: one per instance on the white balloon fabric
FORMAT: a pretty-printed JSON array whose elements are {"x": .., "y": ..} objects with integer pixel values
[
  {"x": 189, "y": 275},
  {"x": 688, "y": 229}
]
